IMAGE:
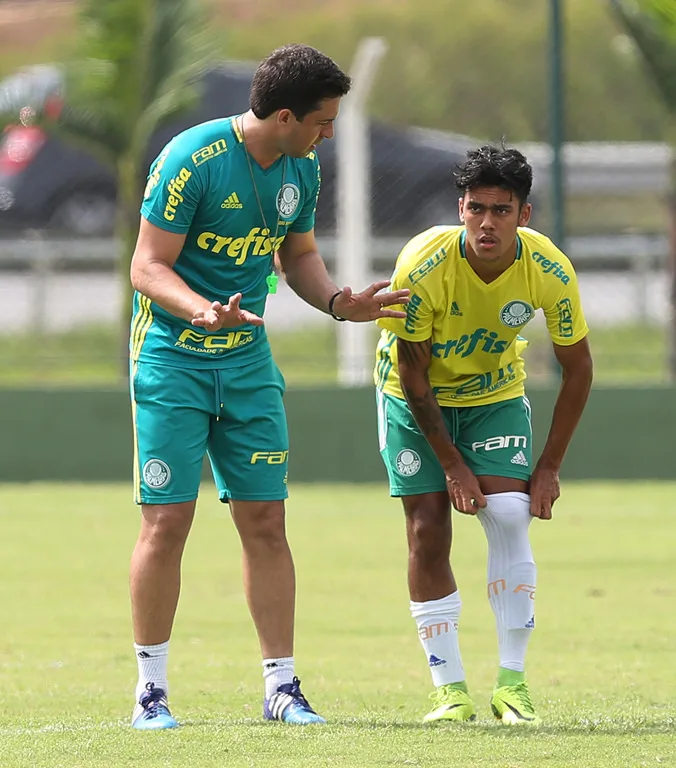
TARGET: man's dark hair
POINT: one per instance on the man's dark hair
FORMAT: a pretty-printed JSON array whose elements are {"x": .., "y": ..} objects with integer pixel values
[
  {"x": 491, "y": 166},
  {"x": 296, "y": 77}
]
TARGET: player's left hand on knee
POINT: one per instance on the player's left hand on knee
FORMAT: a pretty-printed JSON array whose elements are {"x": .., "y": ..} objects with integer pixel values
[
  {"x": 544, "y": 491},
  {"x": 369, "y": 304}
]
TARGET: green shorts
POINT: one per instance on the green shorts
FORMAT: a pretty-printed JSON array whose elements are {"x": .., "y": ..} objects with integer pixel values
[
  {"x": 234, "y": 415},
  {"x": 493, "y": 439}
]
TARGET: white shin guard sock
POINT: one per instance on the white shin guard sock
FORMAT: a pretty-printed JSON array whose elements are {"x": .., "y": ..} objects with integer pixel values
[
  {"x": 277, "y": 672},
  {"x": 152, "y": 666},
  {"x": 511, "y": 574},
  {"x": 437, "y": 622}
]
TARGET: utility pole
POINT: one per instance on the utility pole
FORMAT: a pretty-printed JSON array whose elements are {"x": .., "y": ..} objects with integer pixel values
[{"x": 557, "y": 121}]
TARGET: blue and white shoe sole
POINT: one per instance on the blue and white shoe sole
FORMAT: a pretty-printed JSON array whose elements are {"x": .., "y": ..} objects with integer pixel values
[{"x": 159, "y": 723}]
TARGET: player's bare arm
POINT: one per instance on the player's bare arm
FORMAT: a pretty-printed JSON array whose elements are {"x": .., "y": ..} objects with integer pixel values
[
  {"x": 576, "y": 374},
  {"x": 306, "y": 274},
  {"x": 413, "y": 364},
  {"x": 153, "y": 275}
]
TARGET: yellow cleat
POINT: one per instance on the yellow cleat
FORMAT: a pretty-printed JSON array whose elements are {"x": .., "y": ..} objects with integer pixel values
[
  {"x": 450, "y": 704},
  {"x": 511, "y": 705}
]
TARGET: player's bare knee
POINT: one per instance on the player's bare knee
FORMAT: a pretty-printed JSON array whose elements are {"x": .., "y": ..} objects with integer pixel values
[
  {"x": 166, "y": 528},
  {"x": 261, "y": 523}
]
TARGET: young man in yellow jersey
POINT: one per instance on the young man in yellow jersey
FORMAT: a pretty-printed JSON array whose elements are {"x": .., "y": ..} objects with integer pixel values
[{"x": 454, "y": 423}]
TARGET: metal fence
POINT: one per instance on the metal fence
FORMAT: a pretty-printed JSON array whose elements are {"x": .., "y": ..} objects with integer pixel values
[
  {"x": 61, "y": 297},
  {"x": 623, "y": 278},
  {"x": 62, "y": 290}
]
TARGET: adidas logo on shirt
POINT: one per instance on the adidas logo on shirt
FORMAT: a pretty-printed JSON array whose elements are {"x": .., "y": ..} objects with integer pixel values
[
  {"x": 520, "y": 459},
  {"x": 232, "y": 201},
  {"x": 455, "y": 310}
]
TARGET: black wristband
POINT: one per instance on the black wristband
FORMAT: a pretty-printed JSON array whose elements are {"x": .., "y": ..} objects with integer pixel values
[{"x": 331, "y": 312}]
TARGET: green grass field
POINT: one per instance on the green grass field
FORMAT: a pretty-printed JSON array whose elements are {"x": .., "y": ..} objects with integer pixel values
[{"x": 601, "y": 664}]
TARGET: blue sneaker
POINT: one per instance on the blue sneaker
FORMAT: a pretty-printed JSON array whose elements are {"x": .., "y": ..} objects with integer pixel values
[
  {"x": 152, "y": 711},
  {"x": 290, "y": 706}
]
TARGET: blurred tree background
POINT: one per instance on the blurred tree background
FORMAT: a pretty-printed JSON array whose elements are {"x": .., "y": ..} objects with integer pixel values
[
  {"x": 134, "y": 67},
  {"x": 451, "y": 65},
  {"x": 652, "y": 26}
]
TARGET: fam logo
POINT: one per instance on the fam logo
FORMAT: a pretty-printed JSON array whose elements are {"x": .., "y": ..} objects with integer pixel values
[
  {"x": 408, "y": 462},
  {"x": 205, "y": 154},
  {"x": 288, "y": 198},
  {"x": 499, "y": 586},
  {"x": 430, "y": 264},
  {"x": 269, "y": 457},
  {"x": 516, "y": 313},
  {"x": 502, "y": 441},
  {"x": 156, "y": 473},
  {"x": 429, "y": 631}
]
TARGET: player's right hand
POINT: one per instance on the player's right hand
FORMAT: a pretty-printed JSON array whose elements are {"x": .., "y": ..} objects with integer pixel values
[
  {"x": 464, "y": 490},
  {"x": 220, "y": 316}
]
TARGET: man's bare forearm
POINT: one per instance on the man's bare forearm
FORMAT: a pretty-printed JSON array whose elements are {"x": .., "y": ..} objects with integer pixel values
[
  {"x": 161, "y": 284},
  {"x": 308, "y": 277},
  {"x": 421, "y": 400},
  {"x": 568, "y": 409}
]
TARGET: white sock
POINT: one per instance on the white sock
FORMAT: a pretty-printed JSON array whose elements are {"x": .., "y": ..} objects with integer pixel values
[
  {"x": 437, "y": 622},
  {"x": 511, "y": 574},
  {"x": 277, "y": 672},
  {"x": 152, "y": 666}
]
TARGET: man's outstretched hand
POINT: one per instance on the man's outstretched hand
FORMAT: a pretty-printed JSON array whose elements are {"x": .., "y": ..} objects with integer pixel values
[
  {"x": 369, "y": 304},
  {"x": 220, "y": 316}
]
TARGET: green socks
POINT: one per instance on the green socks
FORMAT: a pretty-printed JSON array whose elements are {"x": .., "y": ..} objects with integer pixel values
[{"x": 509, "y": 677}]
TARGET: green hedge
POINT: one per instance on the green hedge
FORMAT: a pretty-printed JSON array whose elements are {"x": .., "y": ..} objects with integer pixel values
[{"x": 85, "y": 435}]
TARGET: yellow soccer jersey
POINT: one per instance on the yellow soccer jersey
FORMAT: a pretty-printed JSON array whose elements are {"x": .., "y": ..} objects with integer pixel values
[{"x": 474, "y": 326}]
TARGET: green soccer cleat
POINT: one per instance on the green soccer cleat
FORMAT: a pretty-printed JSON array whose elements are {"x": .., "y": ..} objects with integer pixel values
[
  {"x": 450, "y": 703},
  {"x": 511, "y": 705}
]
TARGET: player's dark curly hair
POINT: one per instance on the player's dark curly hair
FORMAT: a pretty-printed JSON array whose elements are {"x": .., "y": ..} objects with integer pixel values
[
  {"x": 296, "y": 77},
  {"x": 491, "y": 166}
]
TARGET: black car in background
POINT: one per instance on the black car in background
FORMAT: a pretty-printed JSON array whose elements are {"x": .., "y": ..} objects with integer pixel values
[{"x": 48, "y": 184}]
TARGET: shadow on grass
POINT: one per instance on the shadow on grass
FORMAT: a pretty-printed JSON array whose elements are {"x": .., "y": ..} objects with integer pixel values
[{"x": 604, "y": 726}]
